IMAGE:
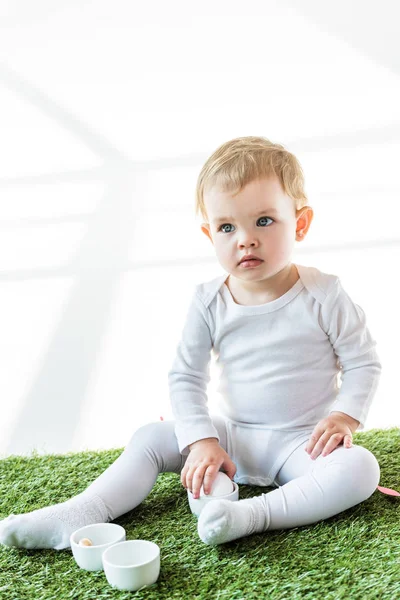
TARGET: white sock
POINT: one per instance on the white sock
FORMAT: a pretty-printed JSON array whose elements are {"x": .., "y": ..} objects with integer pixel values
[
  {"x": 52, "y": 526},
  {"x": 222, "y": 521}
]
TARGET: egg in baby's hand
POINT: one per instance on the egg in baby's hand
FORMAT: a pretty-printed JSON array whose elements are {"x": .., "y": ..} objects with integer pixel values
[
  {"x": 221, "y": 486},
  {"x": 85, "y": 542}
]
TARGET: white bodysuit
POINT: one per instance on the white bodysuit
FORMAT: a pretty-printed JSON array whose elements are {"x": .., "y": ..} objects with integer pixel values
[{"x": 283, "y": 366}]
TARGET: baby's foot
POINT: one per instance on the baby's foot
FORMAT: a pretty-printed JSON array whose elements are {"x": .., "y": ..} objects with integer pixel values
[
  {"x": 222, "y": 521},
  {"x": 52, "y": 526}
]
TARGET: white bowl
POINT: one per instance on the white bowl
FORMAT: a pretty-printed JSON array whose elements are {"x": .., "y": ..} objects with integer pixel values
[
  {"x": 132, "y": 565},
  {"x": 102, "y": 535},
  {"x": 197, "y": 505}
]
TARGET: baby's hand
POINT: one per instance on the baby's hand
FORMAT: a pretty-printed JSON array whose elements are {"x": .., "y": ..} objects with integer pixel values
[
  {"x": 330, "y": 432},
  {"x": 205, "y": 459}
]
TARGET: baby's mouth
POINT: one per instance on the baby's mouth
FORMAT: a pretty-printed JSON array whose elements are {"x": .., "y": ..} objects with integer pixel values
[{"x": 251, "y": 262}]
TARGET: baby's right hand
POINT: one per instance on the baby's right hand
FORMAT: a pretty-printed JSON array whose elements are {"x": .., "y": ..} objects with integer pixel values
[{"x": 205, "y": 459}]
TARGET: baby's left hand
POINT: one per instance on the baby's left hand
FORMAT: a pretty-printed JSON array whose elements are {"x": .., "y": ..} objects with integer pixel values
[{"x": 330, "y": 432}]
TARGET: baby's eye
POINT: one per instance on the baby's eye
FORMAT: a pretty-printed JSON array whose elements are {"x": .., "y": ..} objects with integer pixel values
[
  {"x": 265, "y": 219},
  {"x": 221, "y": 228}
]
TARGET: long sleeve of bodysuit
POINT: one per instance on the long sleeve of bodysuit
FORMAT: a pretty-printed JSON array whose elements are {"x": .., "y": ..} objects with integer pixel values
[
  {"x": 345, "y": 324},
  {"x": 188, "y": 379}
]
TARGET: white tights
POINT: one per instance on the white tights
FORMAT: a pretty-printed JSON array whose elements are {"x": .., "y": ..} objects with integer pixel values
[{"x": 309, "y": 490}]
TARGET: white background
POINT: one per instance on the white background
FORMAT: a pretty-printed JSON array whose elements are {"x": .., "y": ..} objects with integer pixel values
[{"x": 108, "y": 110}]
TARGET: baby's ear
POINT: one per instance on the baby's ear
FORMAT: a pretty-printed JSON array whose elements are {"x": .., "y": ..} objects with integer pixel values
[
  {"x": 304, "y": 216},
  {"x": 205, "y": 227}
]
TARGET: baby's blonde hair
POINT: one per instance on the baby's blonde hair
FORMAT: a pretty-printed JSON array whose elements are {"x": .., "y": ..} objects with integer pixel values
[{"x": 242, "y": 160}]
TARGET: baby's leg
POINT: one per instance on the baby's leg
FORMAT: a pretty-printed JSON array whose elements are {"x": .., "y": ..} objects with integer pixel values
[
  {"x": 310, "y": 491},
  {"x": 153, "y": 449}
]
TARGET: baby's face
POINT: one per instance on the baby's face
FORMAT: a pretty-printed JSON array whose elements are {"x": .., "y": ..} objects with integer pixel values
[{"x": 260, "y": 220}]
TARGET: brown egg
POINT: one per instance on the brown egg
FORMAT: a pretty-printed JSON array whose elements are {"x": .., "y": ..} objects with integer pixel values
[{"x": 85, "y": 542}]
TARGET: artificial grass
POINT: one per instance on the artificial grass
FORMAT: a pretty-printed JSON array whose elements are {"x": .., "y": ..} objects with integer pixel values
[{"x": 354, "y": 555}]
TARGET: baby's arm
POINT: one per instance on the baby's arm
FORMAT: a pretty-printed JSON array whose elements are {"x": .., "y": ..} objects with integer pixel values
[
  {"x": 205, "y": 459},
  {"x": 188, "y": 379},
  {"x": 345, "y": 324}
]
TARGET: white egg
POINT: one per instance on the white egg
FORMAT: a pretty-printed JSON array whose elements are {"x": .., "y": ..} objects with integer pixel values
[{"x": 221, "y": 486}]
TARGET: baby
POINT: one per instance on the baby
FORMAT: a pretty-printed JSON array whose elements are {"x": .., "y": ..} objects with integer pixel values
[{"x": 298, "y": 372}]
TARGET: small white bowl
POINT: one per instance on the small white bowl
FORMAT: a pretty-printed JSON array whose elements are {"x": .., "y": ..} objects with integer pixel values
[
  {"x": 197, "y": 505},
  {"x": 102, "y": 536},
  {"x": 132, "y": 565}
]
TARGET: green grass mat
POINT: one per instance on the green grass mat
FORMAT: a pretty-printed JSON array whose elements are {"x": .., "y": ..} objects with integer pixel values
[{"x": 355, "y": 555}]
